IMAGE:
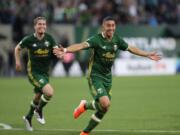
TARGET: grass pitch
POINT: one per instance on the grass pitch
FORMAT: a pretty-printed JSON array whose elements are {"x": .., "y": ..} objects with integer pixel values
[{"x": 140, "y": 106}]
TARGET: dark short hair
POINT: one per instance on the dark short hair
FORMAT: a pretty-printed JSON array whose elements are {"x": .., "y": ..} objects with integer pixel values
[
  {"x": 38, "y": 18},
  {"x": 109, "y": 18}
]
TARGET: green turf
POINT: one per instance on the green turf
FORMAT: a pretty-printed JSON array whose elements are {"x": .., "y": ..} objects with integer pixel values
[{"x": 140, "y": 106}]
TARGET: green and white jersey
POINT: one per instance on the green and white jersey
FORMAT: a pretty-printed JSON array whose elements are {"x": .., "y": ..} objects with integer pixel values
[
  {"x": 39, "y": 52},
  {"x": 103, "y": 55}
]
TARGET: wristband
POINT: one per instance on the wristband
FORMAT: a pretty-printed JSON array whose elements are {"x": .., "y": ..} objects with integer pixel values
[{"x": 65, "y": 50}]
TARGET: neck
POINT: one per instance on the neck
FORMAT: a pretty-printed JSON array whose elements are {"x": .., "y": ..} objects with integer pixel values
[
  {"x": 39, "y": 35},
  {"x": 107, "y": 37}
]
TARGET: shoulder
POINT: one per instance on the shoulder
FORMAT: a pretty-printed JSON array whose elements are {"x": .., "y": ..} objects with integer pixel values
[
  {"x": 116, "y": 36},
  {"x": 27, "y": 38},
  {"x": 47, "y": 35},
  {"x": 98, "y": 36},
  {"x": 93, "y": 40},
  {"x": 95, "y": 37}
]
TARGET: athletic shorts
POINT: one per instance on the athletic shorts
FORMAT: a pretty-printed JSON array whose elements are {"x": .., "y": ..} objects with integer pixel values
[
  {"x": 98, "y": 87},
  {"x": 38, "y": 81}
]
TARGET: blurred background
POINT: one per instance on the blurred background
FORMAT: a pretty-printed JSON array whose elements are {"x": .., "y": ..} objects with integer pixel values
[{"x": 147, "y": 24}]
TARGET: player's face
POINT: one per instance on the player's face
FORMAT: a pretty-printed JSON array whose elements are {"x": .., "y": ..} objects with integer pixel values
[
  {"x": 40, "y": 27},
  {"x": 109, "y": 28}
]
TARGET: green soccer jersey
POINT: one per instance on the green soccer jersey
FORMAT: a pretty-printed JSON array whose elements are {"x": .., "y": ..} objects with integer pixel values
[
  {"x": 103, "y": 55},
  {"x": 39, "y": 52}
]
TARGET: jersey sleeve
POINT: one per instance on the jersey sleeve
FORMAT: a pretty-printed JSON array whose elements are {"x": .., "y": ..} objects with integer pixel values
[
  {"x": 91, "y": 42},
  {"x": 23, "y": 42},
  {"x": 51, "y": 41},
  {"x": 54, "y": 44},
  {"x": 122, "y": 45}
]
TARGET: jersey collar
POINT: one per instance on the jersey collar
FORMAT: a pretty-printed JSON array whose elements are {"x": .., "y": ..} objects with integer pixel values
[
  {"x": 36, "y": 36},
  {"x": 102, "y": 34}
]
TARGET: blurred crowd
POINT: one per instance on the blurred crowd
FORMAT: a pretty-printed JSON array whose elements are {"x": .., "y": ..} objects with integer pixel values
[{"x": 91, "y": 12}]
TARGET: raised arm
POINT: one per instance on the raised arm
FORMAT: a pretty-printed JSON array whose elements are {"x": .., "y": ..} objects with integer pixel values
[
  {"x": 17, "y": 57},
  {"x": 139, "y": 52}
]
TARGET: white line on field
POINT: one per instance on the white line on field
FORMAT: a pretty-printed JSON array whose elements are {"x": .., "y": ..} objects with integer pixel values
[
  {"x": 121, "y": 130},
  {"x": 5, "y": 126}
]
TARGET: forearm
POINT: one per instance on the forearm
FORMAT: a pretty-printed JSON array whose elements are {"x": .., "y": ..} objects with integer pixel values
[
  {"x": 138, "y": 51},
  {"x": 60, "y": 52},
  {"x": 17, "y": 53},
  {"x": 76, "y": 47}
]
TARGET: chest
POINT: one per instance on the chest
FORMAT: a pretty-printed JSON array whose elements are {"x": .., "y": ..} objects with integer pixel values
[
  {"x": 107, "y": 50},
  {"x": 35, "y": 44},
  {"x": 40, "y": 48},
  {"x": 105, "y": 46}
]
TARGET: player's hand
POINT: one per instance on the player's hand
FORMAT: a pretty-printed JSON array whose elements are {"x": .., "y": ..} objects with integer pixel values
[
  {"x": 154, "y": 56},
  {"x": 18, "y": 66},
  {"x": 59, "y": 52}
]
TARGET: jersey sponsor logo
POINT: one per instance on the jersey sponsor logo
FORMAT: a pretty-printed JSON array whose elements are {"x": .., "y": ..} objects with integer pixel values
[
  {"x": 109, "y": 55},
  {"x": 42, "y": 52}
]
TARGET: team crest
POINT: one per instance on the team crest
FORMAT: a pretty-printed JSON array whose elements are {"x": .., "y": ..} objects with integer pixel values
[
  {"x": 115, "y": 47},
  {"x": 104, "y": 47},
  {"x": 46, "y": 43}
]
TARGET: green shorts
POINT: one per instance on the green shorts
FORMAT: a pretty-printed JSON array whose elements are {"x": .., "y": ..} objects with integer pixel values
[
  {"x": 98, "y": 88},
  {"x": 38, "y": 81}
]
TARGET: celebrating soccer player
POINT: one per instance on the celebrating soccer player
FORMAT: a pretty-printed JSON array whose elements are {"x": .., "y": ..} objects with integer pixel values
[
  {"x": 104, "y": 47},
  {"x": 39, "y": 45}
]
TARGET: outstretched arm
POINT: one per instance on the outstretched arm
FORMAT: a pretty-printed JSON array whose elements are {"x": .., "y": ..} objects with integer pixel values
[
  {"x": 150, "y": 55},
  {"x": 17, "y": 58},
  {"x": 59, "y": 52},
  {"x": 76, "y": 47}
]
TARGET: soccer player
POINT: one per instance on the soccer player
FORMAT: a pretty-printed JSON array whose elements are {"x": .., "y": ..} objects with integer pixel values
[
  {"x": 40, "y": 53},
  {"x": 104, "y": 47}
]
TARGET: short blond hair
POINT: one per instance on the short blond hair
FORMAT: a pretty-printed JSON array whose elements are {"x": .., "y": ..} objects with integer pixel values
[{"x": 38, "y": 18}]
